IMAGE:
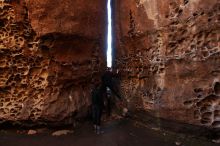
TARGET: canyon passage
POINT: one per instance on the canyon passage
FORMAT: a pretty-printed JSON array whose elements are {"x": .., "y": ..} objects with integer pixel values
[{"x": 165, "y": 54}]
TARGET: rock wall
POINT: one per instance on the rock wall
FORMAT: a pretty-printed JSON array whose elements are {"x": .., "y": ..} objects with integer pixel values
[
  {"x": 51, "y": 53},
  {"x": 168, "y": 52}
]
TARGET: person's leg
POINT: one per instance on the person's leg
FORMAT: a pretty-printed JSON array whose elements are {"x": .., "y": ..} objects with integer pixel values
[
  {"x": 109, "y": 106},
  {"x": 99, "y": 117},
  {"x": 94, "y": 117}
]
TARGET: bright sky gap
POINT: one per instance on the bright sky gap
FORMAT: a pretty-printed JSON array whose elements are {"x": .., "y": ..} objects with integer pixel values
[{"x": 109, "y": 37}]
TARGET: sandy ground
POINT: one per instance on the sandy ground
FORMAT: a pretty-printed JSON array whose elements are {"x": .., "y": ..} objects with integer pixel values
[{"x": 124, "y": 132}]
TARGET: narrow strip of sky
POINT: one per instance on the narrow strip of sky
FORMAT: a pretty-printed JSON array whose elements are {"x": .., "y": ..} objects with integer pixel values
[{"x": 109, "y": 37}]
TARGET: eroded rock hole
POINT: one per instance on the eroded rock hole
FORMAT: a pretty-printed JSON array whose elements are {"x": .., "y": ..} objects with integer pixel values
[
  {"x": 185, "y": 2},
  {"x": 217, "y": 88}
]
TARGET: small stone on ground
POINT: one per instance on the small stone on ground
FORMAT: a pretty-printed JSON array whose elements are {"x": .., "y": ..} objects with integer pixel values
[
  {"x": 61, "y": 132},
  {"x": 32, "y": 132},
  {"x": 216, "y": 140},
  {"x": 178, "y": 143}
]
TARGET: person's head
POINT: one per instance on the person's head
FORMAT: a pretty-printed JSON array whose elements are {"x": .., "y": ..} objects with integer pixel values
[{"x": 109, "y": 69}]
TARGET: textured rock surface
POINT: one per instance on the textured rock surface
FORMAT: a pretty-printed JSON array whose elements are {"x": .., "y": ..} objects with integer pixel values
[
  {"x": 50, "y": 54},
  {"x": 169, "y": 54}
]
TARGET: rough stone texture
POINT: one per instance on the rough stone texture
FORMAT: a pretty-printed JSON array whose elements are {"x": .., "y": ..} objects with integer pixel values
[
  {"x": 61, "y": 132},
  {"x": 50, "y": 55},
  {"x": 31, "y": 132},
  {"x": 81, "y": 17},
  {"x": 168, "y": 52}
]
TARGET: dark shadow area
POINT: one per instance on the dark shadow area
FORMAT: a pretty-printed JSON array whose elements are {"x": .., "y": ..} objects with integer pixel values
[
  {"x": 175, "y": 126},
  {"x": 217, "y": 88}
]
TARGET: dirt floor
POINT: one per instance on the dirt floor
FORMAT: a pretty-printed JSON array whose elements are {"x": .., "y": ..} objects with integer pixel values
[{"x": 121, "y": 132}]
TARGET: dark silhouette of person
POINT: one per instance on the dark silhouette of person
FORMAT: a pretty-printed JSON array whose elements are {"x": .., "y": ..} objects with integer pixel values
[
  {"x": 97, "y": 106},
  {"x": 99, "y": 94}
]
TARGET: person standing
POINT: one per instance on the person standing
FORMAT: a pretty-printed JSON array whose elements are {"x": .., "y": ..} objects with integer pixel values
[
  {"x": 99, "y": 93},
  {"x": 97, "y": 107}
]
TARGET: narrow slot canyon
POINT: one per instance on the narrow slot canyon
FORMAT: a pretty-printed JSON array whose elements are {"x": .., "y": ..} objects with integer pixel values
[{"x": 158, "y": 62}]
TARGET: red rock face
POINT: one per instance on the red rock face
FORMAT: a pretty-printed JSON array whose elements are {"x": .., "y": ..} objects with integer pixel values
[
  {"x": 169, "y": 54},
  {"x": 51, "y": 54},
  {"x": 81, "y": 17}
]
